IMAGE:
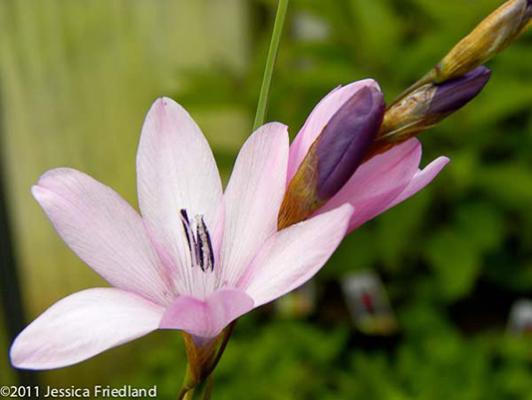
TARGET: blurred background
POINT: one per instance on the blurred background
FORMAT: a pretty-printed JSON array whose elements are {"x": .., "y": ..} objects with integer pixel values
[{"x": 428, "y": 301}]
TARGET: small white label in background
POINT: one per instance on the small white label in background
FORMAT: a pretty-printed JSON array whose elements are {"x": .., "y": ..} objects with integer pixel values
[
  {"x": 520, "y": 321},
  {"x": 368, "y": 304}
]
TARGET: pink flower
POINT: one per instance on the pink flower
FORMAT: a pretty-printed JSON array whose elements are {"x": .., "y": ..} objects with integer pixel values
[
  {"x": 378, "y": 184},
  {"x": 199, "y": 258},
  {"x": 196, "y": 260}
]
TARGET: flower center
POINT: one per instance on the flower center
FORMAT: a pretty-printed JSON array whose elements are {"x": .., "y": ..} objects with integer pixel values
[{"x": 199, "y": 241}]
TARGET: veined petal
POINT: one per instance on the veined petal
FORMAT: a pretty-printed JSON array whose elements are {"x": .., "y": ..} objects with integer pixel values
[
  {"x": 318, "y": 118},
  {"x": 176, "y": 170},
  {"x": 253, "y": 197},
  {"x": 82, "y": 325},
  {"x": 421, "y": 179},
  {"x": 206, "y": 318},
  {"x": 293, "y": 255},
  {"x": 104, "y": 231},
  {"x": 377, "y": 182}
]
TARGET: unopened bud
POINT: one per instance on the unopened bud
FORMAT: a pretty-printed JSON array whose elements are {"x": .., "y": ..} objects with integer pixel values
[
  {"x": 345, "y": 139},
  {"x": 426, "y": 106},
  {"x": 334, "y": 156},
  {"x": 490, "y": 37},
  {"x": 452, "y": 95}
]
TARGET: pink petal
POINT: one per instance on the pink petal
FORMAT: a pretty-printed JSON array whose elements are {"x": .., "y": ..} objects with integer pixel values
[
  {"x": 318, "y": 118},
  {"x": 104, "y": 231},
  {"x": 293, "y": 255},
  {"x": 253, "y": 197},
  {"x": 206, "y": 318},
  {"x": 421, "y": 179},
  {"x": 377, "y": 182},
  {"x": 82, "y": 325},
  {"x": 176, "y": 170}
]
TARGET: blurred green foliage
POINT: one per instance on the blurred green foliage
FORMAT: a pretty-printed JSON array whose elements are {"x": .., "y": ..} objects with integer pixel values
[
  {"x": 454, "y": 258},
  {"x": 284, "y": 359}
]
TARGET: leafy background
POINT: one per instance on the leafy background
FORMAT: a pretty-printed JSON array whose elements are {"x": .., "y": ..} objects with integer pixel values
[{"x": 76, "y": 79}]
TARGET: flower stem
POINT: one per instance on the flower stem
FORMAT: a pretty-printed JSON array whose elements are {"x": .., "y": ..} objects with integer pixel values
[
  {"x": 208, "y": 388},
  {"x": 270, "y": 61},
  {"x": 226, "y": 336},
  {"x": 202, "y": 360},
  {"x": 187, "y": 390}
]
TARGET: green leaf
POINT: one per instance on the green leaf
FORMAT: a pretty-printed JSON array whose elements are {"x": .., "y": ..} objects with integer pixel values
[{"x": 455, "y": 261}]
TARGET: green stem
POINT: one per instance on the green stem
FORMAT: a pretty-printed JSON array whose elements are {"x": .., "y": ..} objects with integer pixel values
[
  {"x": 207, "y": 394},
  {"x": 270, "y": 62},
  {"x": 187, "y": 389},
  {"x": 192, "y": 381},
  {"x": 227, "y": 335}
]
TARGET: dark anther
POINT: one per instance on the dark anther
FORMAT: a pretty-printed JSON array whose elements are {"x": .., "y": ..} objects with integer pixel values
[
  {"x": 208, "y": 242},
  {"x": 188, "y": 232},
  {"x": 199, "y": 242}
]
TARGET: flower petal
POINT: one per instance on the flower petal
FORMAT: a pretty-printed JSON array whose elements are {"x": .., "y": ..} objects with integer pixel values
[
  {"x": 206, "y": 318},
  {"x": 293, "y": 255},
  {"x": 318, "y": 118},
  {"x": 421, "y": 179},
  {"x": 104, "y": 231},
  {"x": 377, "y": 182},
  {"x": 176, "y": 170},
  {"x": 253, "y": 197},
  {"x": 82, "y": 325}
]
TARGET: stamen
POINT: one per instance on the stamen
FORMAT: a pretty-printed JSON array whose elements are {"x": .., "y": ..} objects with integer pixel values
[
  {"x": 199, "y": 248},
  {"x": 186, "y": 226},
  {"x": 204, "y": 240},
  {"x": 199, "y": 241},
  {"x": 191, "y": 240}
]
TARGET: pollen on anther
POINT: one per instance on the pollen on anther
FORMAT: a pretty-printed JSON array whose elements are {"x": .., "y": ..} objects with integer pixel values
[{"x": 199, "y": 241}]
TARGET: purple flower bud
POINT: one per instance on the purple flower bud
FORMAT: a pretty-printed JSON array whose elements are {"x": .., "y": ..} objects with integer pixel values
[
  {"x": 344, "y": 141},
  {"x": 425, "y": 106},
  {"x": 456, "y": 93}
]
